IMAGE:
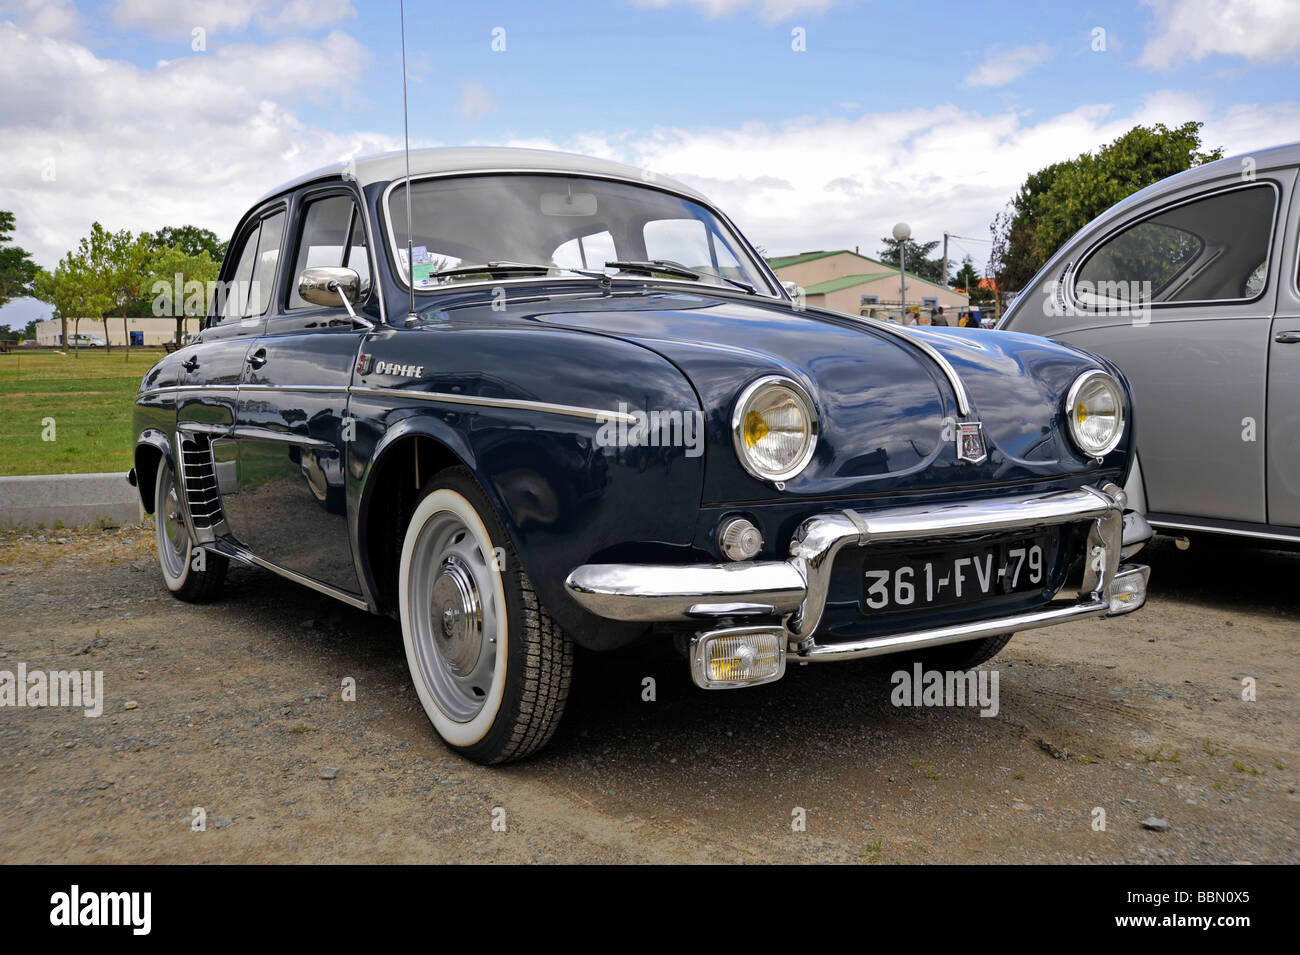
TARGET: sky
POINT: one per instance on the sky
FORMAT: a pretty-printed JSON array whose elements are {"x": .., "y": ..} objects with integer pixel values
[{"x": 813, "y": 123}]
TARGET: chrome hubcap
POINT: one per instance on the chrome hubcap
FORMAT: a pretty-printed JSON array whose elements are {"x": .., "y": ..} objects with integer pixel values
[
  {"x": 456, "y": 603},
  {"x": 454, "y": 615},
  {"x": 173, "y": 541}
]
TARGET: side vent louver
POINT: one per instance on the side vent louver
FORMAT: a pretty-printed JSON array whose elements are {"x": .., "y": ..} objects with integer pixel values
[{"x": 201, "y": 482}]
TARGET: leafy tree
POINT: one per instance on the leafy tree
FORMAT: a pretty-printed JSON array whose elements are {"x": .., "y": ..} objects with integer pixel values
[
  {"x": 179, "y": 284},
  {"x": 17, "y": 270},
  {"x": 73, "y": 292},
  {"x": 190, "y": 239},
  {"x": 120, "y": 270},
  {"x": 918, "y": 257},
  {"x": 968, "y": 280},
  {"x": 1058, "y": 200}
]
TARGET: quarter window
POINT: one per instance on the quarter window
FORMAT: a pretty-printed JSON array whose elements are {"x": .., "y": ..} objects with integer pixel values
[{"x": 1206, "y": 250}]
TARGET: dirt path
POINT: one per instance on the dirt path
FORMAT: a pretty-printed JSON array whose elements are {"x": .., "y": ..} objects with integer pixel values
[{"x": 237, "y": 709}]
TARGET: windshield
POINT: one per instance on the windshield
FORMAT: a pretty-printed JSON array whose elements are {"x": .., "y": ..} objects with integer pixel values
[{"x": 529, "y": 225}]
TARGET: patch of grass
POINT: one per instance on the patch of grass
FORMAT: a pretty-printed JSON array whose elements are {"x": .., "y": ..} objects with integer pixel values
[
  {"x": 1018, "y": 776},
  {"x": 1210, "y": 748},
  {"x": 1278, "y": 764},
  {"x": 872, "y": 851},
  {"x": 1241, "y": 767},
  {"x": 928, "y": 771},
  {"x": 1158, "y": 756},
  {"x": 301, "y": 729},
  {"x": 89, "y": 395}
]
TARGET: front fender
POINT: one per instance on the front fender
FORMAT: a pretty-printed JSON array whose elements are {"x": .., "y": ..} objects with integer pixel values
[{"x": 151, "y": 446}]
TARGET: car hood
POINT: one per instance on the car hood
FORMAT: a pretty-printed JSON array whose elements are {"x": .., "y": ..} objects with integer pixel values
[{"x": 887, "y": 411}]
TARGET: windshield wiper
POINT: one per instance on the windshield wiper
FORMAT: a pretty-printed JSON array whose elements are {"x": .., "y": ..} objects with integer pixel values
[
  {"x": 508, "y": 268},
  {"x": 665, "y": 267}
]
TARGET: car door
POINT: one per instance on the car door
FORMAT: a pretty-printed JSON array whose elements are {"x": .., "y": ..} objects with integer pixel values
[
  {"x": 291, "y": 421},
  {"x": 213, "y": 368},
  {"x": 1283, "y": 431},
  {"x": 1197, "y": 357}
]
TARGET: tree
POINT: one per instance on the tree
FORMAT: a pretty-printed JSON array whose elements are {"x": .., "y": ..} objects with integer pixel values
[
  {"x": 1058, "y": 200},
  {"x": 968, "y": 280},
  {"x": 918, "y": 260},
  {"x": 189, "y": 239},
  {"x": 180, "y": 283},
  {"x": 72, "y": 290},
  {"x": 17, "y": 270},
  {"x": 120, "y": 267}
]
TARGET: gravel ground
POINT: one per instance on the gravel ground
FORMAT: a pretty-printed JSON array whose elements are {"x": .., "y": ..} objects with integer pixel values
[{"x": 236, "y": 707}]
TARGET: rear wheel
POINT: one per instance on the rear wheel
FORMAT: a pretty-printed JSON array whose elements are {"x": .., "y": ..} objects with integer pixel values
[
  {"x": 960, "y": 656},
  {"x": 191, "y": 574},
  {"x": 491, "y": 668}
]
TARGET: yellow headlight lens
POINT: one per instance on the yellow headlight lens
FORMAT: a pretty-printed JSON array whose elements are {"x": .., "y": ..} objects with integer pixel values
[
  {"x": 775, "y": 431},
  {"x": 1096, "y": 417}
]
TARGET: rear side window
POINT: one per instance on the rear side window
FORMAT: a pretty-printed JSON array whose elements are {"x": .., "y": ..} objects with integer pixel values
[
  {"x": 1212, "y": 249},
  {"x": 332, "y": 235}
]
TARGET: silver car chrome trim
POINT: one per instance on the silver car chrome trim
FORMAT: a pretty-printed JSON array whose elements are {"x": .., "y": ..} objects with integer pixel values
[
  {"x": 685, "y": 592},
  {"x": 1230, "y": 531},
  {"x": 799, "y": 586},
  {"x": 245, "y": 556},
  {"x": 266, "y": 434},
  {"x": 1054, "y": 613},
  {"x": 517, "y": 404}
]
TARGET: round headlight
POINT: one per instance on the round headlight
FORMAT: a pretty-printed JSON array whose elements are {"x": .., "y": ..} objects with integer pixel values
[
  {"x": 774, "y": 428},
  {"x": 1095, "y": 411}
]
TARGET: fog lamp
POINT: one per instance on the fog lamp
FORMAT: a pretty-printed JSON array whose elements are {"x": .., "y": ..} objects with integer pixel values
[
  {"x": 738, "y": 656},
  {"x": 1128, "y": 591}
]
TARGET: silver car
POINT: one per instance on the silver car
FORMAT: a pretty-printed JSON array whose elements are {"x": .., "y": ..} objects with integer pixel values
[{"x": 1190, "y": 286}]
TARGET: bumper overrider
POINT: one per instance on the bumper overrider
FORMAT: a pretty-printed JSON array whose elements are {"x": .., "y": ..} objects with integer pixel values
[{"x": 765, "y": 611}]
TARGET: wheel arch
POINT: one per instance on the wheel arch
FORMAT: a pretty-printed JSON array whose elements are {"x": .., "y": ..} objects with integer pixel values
[{"x": 151, "y": 447}]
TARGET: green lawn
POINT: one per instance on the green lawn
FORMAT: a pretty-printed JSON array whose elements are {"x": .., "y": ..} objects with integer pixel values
[{"x": 89, "y": 396}]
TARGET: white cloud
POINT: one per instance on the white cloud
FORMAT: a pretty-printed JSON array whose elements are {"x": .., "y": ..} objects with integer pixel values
[
  {"x": 48, "y": 17},
  {"x": 474, "y": 102},
  {"x": 172, "y": 17},
  {"x": 1002, "y": 66},
  {"x": 1194, "y": 29},
  {"x": 837, "y": 183},
  {"x": 769, "y": 10},
  {"x": 191, "y": 140}
]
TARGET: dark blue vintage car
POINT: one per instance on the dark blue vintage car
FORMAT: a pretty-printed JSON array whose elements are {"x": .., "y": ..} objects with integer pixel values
[{"x": 569, "y": 404}]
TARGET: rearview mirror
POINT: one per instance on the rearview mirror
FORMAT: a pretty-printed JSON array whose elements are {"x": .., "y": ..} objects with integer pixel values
[{"x": 329, "y": 286}]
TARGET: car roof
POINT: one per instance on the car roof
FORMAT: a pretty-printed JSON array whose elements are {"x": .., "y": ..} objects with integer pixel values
[
  {"x": 385, "y": 167},
  {"x": 1264, "y": 159}
]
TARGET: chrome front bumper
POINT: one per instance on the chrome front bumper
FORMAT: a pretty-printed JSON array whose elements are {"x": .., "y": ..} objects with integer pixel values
[{"x": 795, "y": 590}]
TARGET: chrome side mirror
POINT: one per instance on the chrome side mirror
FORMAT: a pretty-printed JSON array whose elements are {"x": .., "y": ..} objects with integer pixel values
[
  {"x": 327, "y": 285},
  {"x": 791, "y": 288}
]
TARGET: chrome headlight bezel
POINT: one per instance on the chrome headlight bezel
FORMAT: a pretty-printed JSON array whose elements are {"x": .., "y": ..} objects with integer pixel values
[
  {"x": 761, "y": 387},
  {"x": 1121, "y": 414}
]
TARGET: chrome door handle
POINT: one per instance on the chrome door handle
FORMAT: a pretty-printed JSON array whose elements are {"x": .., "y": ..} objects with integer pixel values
[
  {"x": 1287, "y": 338},
  {"x": 257, "y": 359}
]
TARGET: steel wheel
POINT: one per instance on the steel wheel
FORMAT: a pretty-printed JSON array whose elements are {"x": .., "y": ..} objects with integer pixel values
[
  {"x": 455, "y": 617},
  {"x": 169, "y": 527}
]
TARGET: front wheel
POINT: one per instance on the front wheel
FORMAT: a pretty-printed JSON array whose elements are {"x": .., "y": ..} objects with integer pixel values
[
  {"x": 491, "y": 668},
  {"x": 191, "y": 574}
]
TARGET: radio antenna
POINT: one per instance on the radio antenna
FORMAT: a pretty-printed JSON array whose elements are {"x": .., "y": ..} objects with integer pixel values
[{"x": 411, "y": 317}]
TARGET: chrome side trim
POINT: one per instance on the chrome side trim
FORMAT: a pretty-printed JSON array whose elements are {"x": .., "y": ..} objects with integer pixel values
[
  {"x": 266, "y": 434},
  {"x": 1160, "y": 524},
  {"x": 245, "y": 556},
  {"x": 516, "y": 404},
  {"x": 310, "y": 389}
]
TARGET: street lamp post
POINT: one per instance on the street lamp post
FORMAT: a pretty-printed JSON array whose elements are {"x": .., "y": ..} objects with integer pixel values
[{"x": 902, "y": 232}]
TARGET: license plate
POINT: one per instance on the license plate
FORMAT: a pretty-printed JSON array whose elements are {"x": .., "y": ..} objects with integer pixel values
[{"x": 902, "y": 581}]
